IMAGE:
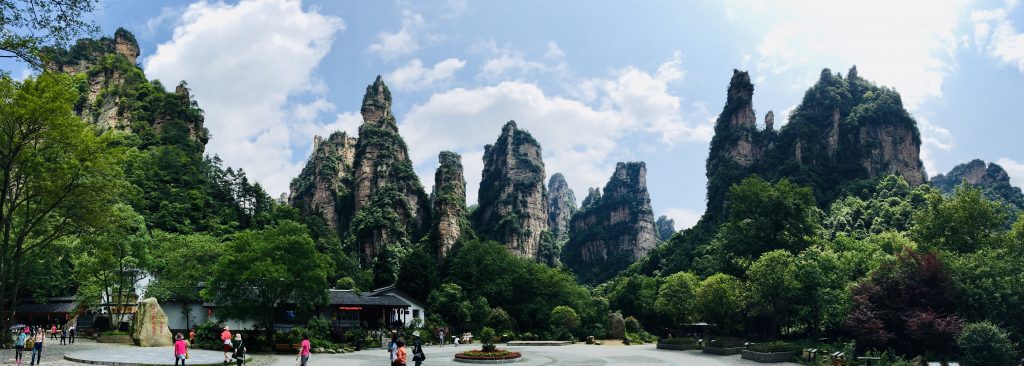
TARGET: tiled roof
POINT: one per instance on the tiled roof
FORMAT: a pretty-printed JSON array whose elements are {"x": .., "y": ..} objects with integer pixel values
[
  {"x": 348, "y": 297},
  {"x": 53, "y": 307}
]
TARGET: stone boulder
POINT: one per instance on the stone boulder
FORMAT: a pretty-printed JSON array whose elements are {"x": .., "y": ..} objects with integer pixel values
[
  {"x": 150, "y": 325},
  {"x": 616, "y": 326}
]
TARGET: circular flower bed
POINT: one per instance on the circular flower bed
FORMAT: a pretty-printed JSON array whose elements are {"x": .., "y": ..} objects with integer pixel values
[{"x": 498, "y": 354}]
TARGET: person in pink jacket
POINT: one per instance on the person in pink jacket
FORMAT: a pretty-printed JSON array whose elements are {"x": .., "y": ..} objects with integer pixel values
[{"x": 180, "y": 349}]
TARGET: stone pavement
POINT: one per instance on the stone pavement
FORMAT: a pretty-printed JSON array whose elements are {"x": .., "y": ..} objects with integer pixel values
[
  {"x": 579, "y": 355},
  {"x": 87, "y": 349}
]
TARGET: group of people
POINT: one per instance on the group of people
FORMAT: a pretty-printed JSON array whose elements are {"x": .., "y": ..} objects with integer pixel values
[
  {"x": 234, "y": 347},
  {"x": 399, "y": 355},
  {"x": 34, "y": 341},
  {"x": 67, "y": 334}
]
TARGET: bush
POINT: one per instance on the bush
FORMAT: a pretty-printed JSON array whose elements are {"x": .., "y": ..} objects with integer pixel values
[
  {"x": 776, "y": 346},
  {"x": 528, "y": 336},
  {"x": 985, "y": 344},
  {"x": 564, "y": 322},
  {"x": 632, "y": 325},
  {"x": 487, "y": 338},
  {"x": 726, "y": 343}
]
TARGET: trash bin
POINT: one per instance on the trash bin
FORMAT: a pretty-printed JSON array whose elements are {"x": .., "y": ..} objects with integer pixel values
[{"x": 359, "y": 345}]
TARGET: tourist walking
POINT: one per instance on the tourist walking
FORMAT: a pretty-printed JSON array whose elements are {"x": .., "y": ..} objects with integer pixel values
[
  {"x": 192, "y": 336},
  {"x": 400, "y": 354},
  {"x": 239, "y": 346},
  {"x": 417, "y": 349},
  {"x": 37, "y": 347},
  {"x": 19, "y": 345},
  {"x": 393, "y": 346},
  {"x": 63, "y": 336},
  {"x": 304, "y": 351},
  {"x": 440, "y": 337},
  {"x": 180, "y": 350},
  {"x": 225, "y": 338},
  {"x": 53, "y": 332},
  {"x": 71, "y": 335}
]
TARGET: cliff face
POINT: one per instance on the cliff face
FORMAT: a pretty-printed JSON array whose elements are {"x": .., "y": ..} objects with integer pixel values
[
  {"x": 391, "y": 205},
  {"x": 561, "y": 206},
  {"x": 115, "y": 88},
  {"x": 614, "y": 229},
  {"x": 845, "y": 130},
  {"x": 323, "y": 188},
  {"x": 992, "y": 179},
  {"x": 513, "y": 202},
  {"x": 665, "y": 227},
  {"x": 449, "y": 202}
]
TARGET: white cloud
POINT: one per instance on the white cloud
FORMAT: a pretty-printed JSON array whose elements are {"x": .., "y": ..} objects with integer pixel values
[
  {"x": 403, "y": 42},
  {"x": 554, "y": 52},
  {"x": 996, "y": 34},
  {"x": 577, "y": 139},
  {"x": 414, "y": 76},
  {"x": 167, "y": 14},
  {"x": 684, "y": 218},
  {"x": 1014, "y": 169},
  {"x": 245, "y": 63},
  {"x": 933, "y": 137},
  {"x": 909, "y": 45}
]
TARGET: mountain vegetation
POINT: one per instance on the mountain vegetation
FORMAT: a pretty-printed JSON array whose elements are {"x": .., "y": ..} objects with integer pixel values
[{"x": 824, "y": 228}]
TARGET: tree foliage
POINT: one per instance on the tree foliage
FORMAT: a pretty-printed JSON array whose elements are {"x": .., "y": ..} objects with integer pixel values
[
  {"x": 260, "y": 269},
  {"x": 58, "y": 176},
  {"x": 29, "y": 26}
]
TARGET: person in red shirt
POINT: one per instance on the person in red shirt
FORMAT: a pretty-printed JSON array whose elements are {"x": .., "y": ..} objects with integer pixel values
[
  {"x": 225, "y": 338},
  {"x": 180, "y": 350},
  {"x": 401, "y": 356},
  {"x": 304, "y": 351}
]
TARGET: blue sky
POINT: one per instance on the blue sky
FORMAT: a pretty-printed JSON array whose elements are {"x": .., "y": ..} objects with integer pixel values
[{"x": 596, "y": 82}]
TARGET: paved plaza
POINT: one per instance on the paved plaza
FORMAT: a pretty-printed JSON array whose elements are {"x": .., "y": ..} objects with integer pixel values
[{"x": 577, "y": 355}]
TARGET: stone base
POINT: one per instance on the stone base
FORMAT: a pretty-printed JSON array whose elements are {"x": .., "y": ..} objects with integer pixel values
[
  {"x": 488, "y": 362},
  {"x": 772, "y": 357},
  {"x": 677, "y": 347},
  {"x": 722, "y": 351},
  {"x": 120, "y": 339}
]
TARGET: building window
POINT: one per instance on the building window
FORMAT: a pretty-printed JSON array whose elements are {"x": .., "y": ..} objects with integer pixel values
[{"x": 415, "y": 313}]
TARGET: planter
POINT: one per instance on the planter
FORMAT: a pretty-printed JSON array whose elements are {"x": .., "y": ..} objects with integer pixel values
[
  {"x": 722, "y": 351},
  {"x": 499, "y": 356},
  {"x": 118, "y": 338},
  {"x": 769, "y": 357},
  {"x": 677, "y": 347}
]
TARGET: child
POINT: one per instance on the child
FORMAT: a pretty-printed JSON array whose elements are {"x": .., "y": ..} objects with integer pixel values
[
  {"x": 180, "y": 349},
  {"x": 401, "y": 356}
]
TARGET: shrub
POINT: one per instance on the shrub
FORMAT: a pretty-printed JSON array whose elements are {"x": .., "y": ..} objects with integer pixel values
[
  {"x": 564, "y": 322},
  {"x": 775, "y": 346},
  {"x": 632, "y": 325},
  {"x": 528, "y": 336},
  {"x": 487, "y": 338},
  {"x": 985, "y": 343}
]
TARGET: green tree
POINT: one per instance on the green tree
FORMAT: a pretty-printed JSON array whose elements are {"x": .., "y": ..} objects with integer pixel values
[
  {"x": 179, "y": 263},
  {"x": 261, "y": 269},
  {"x": 636, "y": 296},
  {"x": 58, "y": 176},
  {"x": 564, "y": 322},
  {"x": 822, "y": 299},
  {"x": 114, "y": 260},
  {"x": 28, "y": 26},
  {"x": 763, "y": 217},
  {"x": 500, "y": 320},
  {"x": 417, "y": 274},
  {"x": 449, "y": 302},
  {"x": 720, "y": 301},
  {"x": 963, "y": 223},
  {"x": 984, "y": 344},
  {"x": 677, "y": 298},
  {"x": 774, "y": 290}
]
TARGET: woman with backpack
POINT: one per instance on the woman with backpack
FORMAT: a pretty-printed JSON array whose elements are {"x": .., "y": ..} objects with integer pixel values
[
  {"x": 19, "y": 346},
  {"x": 417, "y": 349},
  {"x": 239, "y": 354}
]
